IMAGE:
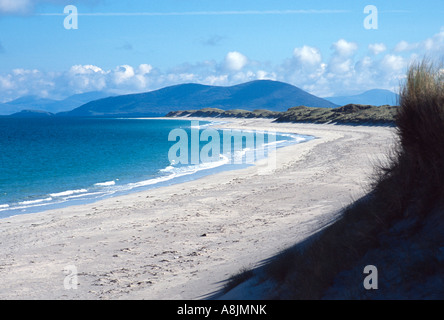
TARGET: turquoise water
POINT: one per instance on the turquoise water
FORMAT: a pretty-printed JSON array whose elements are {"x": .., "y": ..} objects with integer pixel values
[{"x": 48, "y": 163}]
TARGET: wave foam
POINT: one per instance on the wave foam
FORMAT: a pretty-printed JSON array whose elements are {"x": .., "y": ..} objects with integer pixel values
[
  {"x": 67, "y": 193},
  {"x": 176, "y": 172},
  {"x": 105, "y": 184},
  {"x": 34, "y": 201}
]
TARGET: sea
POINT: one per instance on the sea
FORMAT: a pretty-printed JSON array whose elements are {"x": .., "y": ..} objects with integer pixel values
[{"x": 48, "y": 163}]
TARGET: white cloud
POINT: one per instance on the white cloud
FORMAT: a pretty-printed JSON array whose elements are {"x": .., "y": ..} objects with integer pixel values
[
  {"x": 15, "y": 6},
  {"x": 6, "y": 83},
  {"x": 393, "y": 63},
  {"x": 123, "y": 73},
  {"x": 174, "y": 78},
  {"x": 216, "y": 80},
  {"x": 341, "y": 62},
  {"x": 435, "y": 44},
  {"x": 235, "y": 61},
  {"x": 144, "y": 69},
  {"x": 84, "y": 78},
  {"x": 344, "y": 48},
  {"x": 404, "y": 46},
  {"x": 20, "y": 7},
  {"x": 341, "y": 67},
  {"x": 22, "y": 72},
  {"x": 432, "y": 47},
  {"x": 307, "y": 56},
  {"x": 20, "y": 82},
  {"x": 243, "y": 76},
  {"x": 85, "y": 69},
  {"x": 344, "y": 71},
  {"x": 304, "y": 65},
  {"x": 377, "y": 48},
  {"x": 264, "y": 75}
]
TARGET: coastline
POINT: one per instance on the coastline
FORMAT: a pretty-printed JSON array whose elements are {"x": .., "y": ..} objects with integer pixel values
[
  {"x": 180, "y": 241},
  {"x": 97, "y": 190}
]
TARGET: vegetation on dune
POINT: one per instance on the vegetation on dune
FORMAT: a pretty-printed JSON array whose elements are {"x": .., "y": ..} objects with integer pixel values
[
  {"x": 349, "y": 114},
  {"x": 219, "y": 113},
  {"x": 398, "y": 226}
]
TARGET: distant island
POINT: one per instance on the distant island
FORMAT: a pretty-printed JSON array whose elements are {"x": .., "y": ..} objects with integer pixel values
[{"x": 31, "y": 114}]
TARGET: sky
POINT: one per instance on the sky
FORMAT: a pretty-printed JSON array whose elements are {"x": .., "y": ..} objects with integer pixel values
[{"x": 328, "y": 48}]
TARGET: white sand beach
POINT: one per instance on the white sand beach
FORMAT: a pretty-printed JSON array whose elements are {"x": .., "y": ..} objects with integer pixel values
[{"x": 180, "y": 241}]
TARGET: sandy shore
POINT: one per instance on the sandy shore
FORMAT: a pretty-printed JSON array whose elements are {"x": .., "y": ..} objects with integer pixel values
[{"x": 180, "y": 241}]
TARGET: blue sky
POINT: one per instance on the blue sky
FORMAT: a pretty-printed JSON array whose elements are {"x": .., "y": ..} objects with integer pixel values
[{"x": 129, "y": 46}]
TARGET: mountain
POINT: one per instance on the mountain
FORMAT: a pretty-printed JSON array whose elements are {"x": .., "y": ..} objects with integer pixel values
[
  {"x": 376, "y": 97},
  {"x": 259, "y": 94},
  {"x": 49, "y": 105},
  {"x": 75, "y": 101}
]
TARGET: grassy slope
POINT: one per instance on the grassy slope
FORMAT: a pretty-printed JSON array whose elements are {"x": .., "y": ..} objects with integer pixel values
[{"x": 349, "y": 114}]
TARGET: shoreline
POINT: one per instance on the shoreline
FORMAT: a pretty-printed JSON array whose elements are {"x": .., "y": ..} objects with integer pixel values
[
  {"x": 86, "y": 195},
  {"x": 180, "y": 241}
]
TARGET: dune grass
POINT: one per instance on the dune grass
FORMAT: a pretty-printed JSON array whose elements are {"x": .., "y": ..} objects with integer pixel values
[{"x": 353, "y": 114}]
